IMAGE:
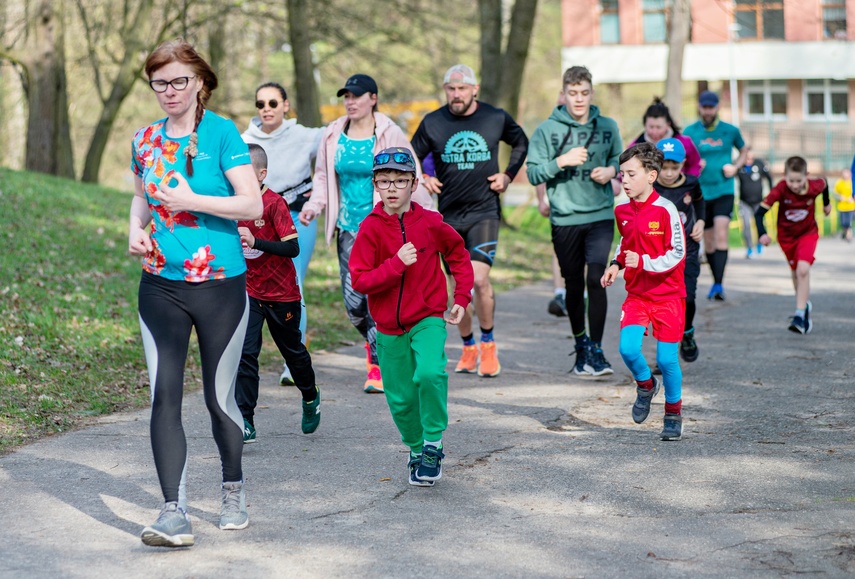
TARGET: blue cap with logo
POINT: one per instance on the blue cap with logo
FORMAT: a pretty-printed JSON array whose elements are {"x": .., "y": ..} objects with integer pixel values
[{"x": 672, "y": 150}]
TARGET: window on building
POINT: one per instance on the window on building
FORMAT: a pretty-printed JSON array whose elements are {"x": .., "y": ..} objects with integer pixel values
[
  {"x": 765, "y": 100},
  {"x": 834, "y": 19},
  {"x": 654, "y": 21},
  {"x": 609, "y": 22},
  {"x": 759, "y": 18},
  {"x": 826, "y": 100}
]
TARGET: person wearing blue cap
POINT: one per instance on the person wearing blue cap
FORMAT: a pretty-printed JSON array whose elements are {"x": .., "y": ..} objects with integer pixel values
[
  {"x": 685, "y": 193},
  {"x": 716, "y": 139}
]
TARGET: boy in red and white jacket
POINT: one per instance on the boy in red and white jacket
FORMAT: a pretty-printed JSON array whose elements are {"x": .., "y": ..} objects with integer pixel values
[
  {"x": 396, "y": 262},
  {"x": 652, "y": 249}
]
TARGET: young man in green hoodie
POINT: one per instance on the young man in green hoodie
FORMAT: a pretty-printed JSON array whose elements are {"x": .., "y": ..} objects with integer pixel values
[{"x": 575, "y": 152}]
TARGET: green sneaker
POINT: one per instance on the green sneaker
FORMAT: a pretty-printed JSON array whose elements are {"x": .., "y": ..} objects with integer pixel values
[
  {"x": 249, "y": 435},
  {"x": 312, "y": 413},
  {"x": 233, "y": 513},
  {"x": 172, "y": 529}
]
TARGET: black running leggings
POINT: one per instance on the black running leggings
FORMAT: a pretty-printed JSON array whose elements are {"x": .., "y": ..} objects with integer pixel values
[
  {"x": 168, "y": 310},
  {"x": 577, "y": 246}
]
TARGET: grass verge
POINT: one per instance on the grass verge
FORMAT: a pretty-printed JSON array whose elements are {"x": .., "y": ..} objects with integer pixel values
[{"x": 70, "y": 347}]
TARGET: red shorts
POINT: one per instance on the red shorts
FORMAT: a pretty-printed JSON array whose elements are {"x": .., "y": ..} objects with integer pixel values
[
  {"x": 799, "y": 249},
  {"x": 668, "y": 317}
]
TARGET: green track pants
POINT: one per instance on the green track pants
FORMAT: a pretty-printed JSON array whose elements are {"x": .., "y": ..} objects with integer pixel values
[{"x": 415, "y": 381}]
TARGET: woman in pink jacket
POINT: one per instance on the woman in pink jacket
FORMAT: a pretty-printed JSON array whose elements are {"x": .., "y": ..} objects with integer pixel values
[
  {"x": 343, "y": 185},
  {"x": 659, "y": 125}
]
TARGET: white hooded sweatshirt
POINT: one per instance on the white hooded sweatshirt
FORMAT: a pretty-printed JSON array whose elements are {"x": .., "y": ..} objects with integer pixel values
[{"x": 291, "y": 151}]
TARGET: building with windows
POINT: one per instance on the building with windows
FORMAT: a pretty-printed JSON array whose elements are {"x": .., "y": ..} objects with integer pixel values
[{"x": 791, "y": 61}]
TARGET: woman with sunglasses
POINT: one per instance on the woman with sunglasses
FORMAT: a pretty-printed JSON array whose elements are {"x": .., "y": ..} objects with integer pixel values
[
  {"x": 343, "y": 186},
  {"x": 292, "y": 149},
  {"x": 192, "y": 181}
]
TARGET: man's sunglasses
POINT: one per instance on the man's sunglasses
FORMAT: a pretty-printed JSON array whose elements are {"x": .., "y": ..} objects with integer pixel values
[
  {"x": 402, "y": 158},
  {"x": 272, "y": 103}
]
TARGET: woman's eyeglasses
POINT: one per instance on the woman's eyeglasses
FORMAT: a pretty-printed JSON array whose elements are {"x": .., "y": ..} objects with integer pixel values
[
  {"x": 402, "y": 158},
  {"x": 384, "y": 184},
  {"x": 179, "y": 83},
  {"x": 272, "y": 103}
]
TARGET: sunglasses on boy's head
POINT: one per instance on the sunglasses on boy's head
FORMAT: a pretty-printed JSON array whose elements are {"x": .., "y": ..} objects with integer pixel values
[
  {"x": 272, "y": 103},
  {"x": 402, "y": 158}
]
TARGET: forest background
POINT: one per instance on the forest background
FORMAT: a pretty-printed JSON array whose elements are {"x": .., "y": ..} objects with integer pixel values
[{"x": 71, "y": 81}]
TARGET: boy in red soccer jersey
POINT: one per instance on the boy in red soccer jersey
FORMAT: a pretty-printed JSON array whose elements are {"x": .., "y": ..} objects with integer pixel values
[
  {"x": 271, "y": 283},
  {"x": 797, "y": 230},
  {"x": 652, "y": 249}
]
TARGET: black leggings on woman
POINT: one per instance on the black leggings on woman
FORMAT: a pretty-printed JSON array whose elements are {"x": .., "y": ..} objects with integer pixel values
[{"x": 168, "y": 310}]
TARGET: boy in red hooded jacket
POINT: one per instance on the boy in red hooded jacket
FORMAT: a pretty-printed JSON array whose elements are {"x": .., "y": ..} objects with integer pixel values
[
  {"x": 652, "y": 249},
  {"x": 396, "y": 263}
]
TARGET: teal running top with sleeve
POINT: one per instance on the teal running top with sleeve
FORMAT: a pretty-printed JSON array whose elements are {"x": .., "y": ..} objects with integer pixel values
[
  {"x": 354, "y": 165},
  {"x": 715, "y": 144},
  {"x": 191, "y": 246}
]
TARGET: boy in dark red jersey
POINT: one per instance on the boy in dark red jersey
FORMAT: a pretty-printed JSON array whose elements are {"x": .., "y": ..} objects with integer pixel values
[
  {"x": 684, "y": 192},
  {"x": 652, "y": 249},
  {"x": 797, "y": 230},
  {"x": 271, "y": 283},
  {"x": 396, "y": 262}
]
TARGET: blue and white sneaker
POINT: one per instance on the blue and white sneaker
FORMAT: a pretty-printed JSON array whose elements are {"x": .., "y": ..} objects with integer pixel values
[
  {"x": 643, "y": 398},
  {"x": 797, "y": 325},
  {"x": 413, "y": 465},
  {"x": 597, "y": 365},
  {"x": 808, "y": 318},
  {"x": 430, "y": 467},
  {"x": 580, "y": 368}
]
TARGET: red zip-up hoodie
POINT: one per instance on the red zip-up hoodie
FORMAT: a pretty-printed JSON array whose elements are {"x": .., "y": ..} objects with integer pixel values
[
  {"x": 654, "y": 231},
  {"x": 399, "y": 296}
]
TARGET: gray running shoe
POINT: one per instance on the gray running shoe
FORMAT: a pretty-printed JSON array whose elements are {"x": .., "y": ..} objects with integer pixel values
[
  {"x": 641, "y": 408},
  {"x": 673, "y": 427},
  {"x": 557, "y": 306},
  {"x": 233, "y": 513},
  {"x": 172, "y": 529}
]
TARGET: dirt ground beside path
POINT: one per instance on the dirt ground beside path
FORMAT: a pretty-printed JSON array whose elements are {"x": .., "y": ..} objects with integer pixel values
[{"x": 546, "y": 474}]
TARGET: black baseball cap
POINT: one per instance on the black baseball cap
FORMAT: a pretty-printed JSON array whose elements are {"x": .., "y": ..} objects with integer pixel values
[{"x": 358, "y": 85}]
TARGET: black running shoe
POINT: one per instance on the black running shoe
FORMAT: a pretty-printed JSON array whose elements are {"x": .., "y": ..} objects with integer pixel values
[
  {"x": 430, "y": 467},
  {"x": 688, "y": 347},
  {"x": 580, "y": 367},
  {"x": 557, "y": 307},
  {"x": 798, "y": 326}
]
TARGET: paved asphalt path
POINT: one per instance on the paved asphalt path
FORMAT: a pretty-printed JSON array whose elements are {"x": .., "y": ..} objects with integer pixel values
[{"x": 546, "y": 475}]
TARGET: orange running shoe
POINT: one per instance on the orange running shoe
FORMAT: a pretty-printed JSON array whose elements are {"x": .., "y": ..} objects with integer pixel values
[
  {"x": 374, "y": 383},
  {"x": 367, "y": 357},
  {"x": 489, "y": 365},
  {"x": 468, "y": 360}
]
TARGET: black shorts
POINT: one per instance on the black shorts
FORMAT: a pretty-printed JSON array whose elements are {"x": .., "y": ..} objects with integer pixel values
[
  {"x": 481, "y": 238},
  {"x": 578, "y": 245},
  {"x": 721, "y": 207}
]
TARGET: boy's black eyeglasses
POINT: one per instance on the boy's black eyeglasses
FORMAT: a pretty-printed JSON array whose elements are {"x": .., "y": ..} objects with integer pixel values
[
  {"x": 402, "y": 158},
  {"x": 179, "y": 83},
  {"x": 384, "y": 184},
  {"x": 272, "y": 103}
]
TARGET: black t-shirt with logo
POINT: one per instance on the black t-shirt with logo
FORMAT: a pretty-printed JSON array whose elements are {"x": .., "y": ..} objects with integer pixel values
[
  {"x": 465, "y": 152},
  {"x": 686, "y": 195}
]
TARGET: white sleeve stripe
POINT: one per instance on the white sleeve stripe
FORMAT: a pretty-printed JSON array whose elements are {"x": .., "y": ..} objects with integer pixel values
[{"x": 675, "y": 255}]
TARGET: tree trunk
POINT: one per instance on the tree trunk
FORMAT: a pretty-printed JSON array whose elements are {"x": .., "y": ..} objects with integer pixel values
[
  {"x": 48, "y": 129},
  {"x": 490, "y": 12},
  {"x": 135, "y": 48},
  {"x": 307, "y": 102},
  {"x": 678, "y": 37},
  {"x": 519, "y": 40}
]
